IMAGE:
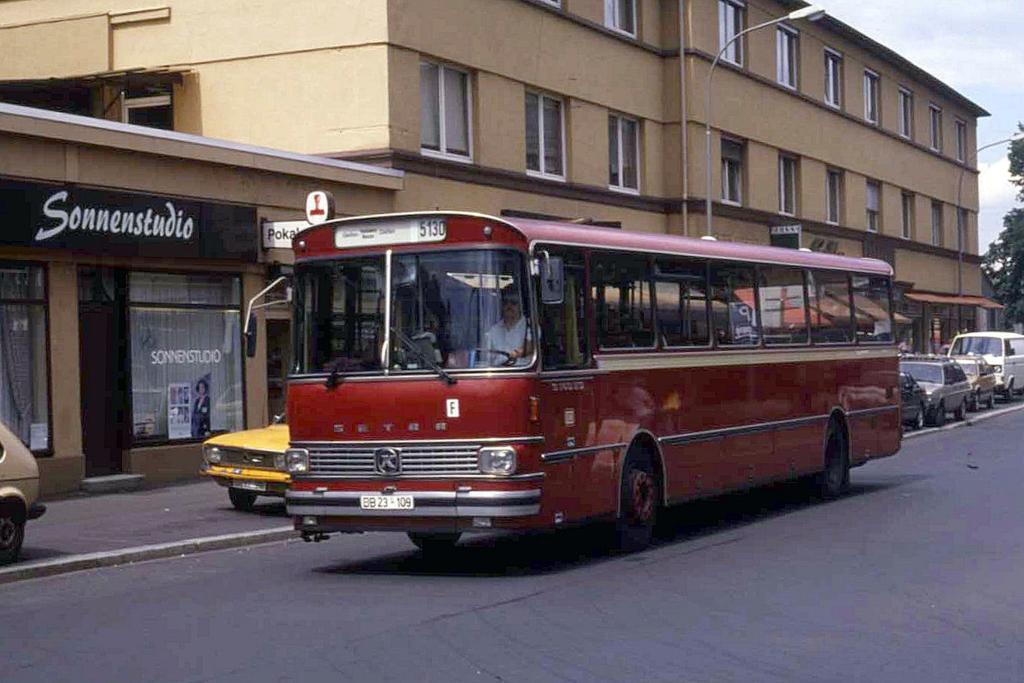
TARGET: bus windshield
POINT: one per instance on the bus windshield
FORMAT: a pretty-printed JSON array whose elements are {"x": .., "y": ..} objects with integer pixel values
[{"x": 465, "y": 309}]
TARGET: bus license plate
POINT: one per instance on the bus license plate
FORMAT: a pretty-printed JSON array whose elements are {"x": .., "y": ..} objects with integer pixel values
[{"x": 386, "y": 502}]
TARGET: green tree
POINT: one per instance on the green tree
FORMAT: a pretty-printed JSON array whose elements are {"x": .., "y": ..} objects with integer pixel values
[{"x": 1004, "y": 260}]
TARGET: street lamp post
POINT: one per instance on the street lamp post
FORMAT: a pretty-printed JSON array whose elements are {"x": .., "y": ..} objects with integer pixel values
[
  {"x": 961, "y": 229},
  {"x": 811, "y": 13}
]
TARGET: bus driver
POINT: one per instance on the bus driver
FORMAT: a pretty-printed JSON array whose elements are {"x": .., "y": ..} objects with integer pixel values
[{"x": 509, "y": 338}]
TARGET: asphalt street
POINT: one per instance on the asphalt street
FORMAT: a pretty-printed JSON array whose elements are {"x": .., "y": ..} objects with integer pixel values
[{"x": 915, "y": 576}]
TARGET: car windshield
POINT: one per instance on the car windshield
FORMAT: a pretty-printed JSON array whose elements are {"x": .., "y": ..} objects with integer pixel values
[
  {"x": 923, "y": 372},
  {"x": 459, "y": 310},
  {"x": 976, "y": 346},
  {"x": 970, "y": 368}
]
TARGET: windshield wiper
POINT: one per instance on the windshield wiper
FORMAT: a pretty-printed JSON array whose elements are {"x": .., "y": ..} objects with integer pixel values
[{"x": 410, "y": 345}]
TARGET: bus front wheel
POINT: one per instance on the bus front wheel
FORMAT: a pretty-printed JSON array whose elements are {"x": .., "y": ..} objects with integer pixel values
[{"x": 639, "y": 499}]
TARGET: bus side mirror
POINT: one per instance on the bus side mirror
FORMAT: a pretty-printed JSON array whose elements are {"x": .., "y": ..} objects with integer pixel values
[
  {"x": 552, "y": 279},
  {"x": 250, "y": 336}
]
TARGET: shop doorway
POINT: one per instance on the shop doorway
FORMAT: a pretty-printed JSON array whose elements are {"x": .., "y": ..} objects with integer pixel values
[
  {"x": 103, "y": 344},
  {"x": 279, "y": 354}
]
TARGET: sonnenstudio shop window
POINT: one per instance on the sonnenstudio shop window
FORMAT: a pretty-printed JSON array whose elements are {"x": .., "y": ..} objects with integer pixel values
[
  {"x": 24, "y": 395},
  {"x": 186, "y": 355}
]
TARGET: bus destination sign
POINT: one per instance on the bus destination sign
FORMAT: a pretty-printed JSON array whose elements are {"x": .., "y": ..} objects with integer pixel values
[{"x": 400, "y": 231}]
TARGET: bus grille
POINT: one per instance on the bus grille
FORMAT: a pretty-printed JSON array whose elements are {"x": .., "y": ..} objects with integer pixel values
[{"x": 429, "y": 459}]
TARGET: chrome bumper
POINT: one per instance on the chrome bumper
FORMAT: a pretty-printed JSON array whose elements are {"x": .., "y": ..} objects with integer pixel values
[{"x": 428, "y": 504}]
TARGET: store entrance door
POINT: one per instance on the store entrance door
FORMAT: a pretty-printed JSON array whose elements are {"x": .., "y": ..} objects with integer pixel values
[{"x": 103, "y": 344}]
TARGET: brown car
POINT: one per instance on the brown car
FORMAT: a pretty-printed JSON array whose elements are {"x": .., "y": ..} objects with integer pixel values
[{"x": 982, "y": 377}]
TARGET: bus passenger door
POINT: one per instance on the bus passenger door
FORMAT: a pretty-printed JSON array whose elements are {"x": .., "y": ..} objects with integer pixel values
[{"x": 566, "y": 391}]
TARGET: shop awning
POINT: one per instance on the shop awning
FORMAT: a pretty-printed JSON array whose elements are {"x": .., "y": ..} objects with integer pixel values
[
  {"x": 161, "y": 75},
  {"x": 962, "y": 300}
]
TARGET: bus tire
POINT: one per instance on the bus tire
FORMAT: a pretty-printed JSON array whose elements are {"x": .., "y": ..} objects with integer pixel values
[
  {"x": 242, "y": 500},
  {"x": 434, "y": 544},
  {"x": 12, "y": 531},
  {"x": 834, "y": 480},
  {"x": 639, "y": 499}
]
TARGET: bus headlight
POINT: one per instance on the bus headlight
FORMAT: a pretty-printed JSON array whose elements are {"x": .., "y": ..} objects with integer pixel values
[
  {"x": 212, "y": 454},
  {"x": 498, "y": 460},
  {"x": 279, "y": 461},
  {"x": 297, "y": 460}
]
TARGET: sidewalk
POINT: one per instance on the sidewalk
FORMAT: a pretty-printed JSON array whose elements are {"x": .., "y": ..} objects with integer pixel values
[{"x": 102, "y": 525}]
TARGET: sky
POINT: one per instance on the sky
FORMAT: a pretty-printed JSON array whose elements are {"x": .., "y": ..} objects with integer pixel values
[{"x": 976, "y": 47}]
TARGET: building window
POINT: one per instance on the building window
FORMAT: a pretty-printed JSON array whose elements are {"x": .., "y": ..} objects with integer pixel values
[
  {"x": 623, "y": 153},
  {"x": 730, "y": 23},
  {"x": 874, "y": 202},
  {"x": 732, "y": 171},
  {"x": 620, "y": 15},
  {"x": 961, "y": 229},
  {"x": 186, "y": 358},
  {"x": 24, "y": 391},
  {"x": 786, "y": 56},
  {"x": 961, "y": 140},
  {"x": 545, "y": 129},
  {"x": 907, "y": 215},
  {"x": 935, "y": 128},
  {"x": 937, "y": 223},
  {"x": 833, "y": 79},
  {"x": 871, "y": 97},
  {"x": 444, "y": 110},
  {"x": 833, "y": 195},
  {"x": 152, "y": 112},
  {"x": 906, "y": 113},
  {"x": 787, "y": 185}
]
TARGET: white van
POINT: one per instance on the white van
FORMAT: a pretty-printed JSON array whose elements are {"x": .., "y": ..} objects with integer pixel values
[
  {"x": 1004, "y": 350},
  {"x": 19, "y": 489}
]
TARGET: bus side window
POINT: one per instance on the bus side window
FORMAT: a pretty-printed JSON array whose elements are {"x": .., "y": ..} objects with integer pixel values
[
  {"x": 681, "y": 302},
  {"x": 621, "y": 285},
  {"x": 563, "y": 327},
  {"x": 733, "y": 308}
]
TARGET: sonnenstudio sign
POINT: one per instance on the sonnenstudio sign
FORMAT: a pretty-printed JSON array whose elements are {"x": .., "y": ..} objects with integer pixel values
[{"x": 68, "y": 217}]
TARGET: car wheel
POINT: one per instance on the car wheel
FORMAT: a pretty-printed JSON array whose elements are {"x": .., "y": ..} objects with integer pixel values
[
  {"x": 12, "y": 534},
  {"x": 991, "y": 401},
  {"x": 939, "y": 415},
  {"x": 973, "y": 402},
  {"x": 961, "y": 411},
  {"x": 834, "y": 480},
  {"x": 919, "y": 420},
  {"x": 639, "y": 499},
  {"x": 242, "y": 500},
  {"x": 434, "y": 544}
]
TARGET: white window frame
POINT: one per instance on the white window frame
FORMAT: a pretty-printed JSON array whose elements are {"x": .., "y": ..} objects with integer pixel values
[
  {"x": 794, "y": 36},
  {"x": 611, "y": 17},
  {"x": 960, "y": 128},
  {"x": 934, "y": 131},
  {"x": 619, "y": 118},
  {"x": 783, "y": 159},
  {"x": 553, "y": 3},
  {"x": 937, "y": 227},
  {"x": 129, "y": 103},
  {"x": 907, "y": 217},
  {"x": 540, "y": 135},
  {"x": 738, "y": 201},
  {"x": 442, "y": 142},
  {"x": 833, "y": 87},
  {"x": 872, "y": 95},
  {"x": 837, "y": 208},
  {"x": 906, "y": 113},
  {"x": 724, "y": 30},
  {"x": 877, "y": 210}
]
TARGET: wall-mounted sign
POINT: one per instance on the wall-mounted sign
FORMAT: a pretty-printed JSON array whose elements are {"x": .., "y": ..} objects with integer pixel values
[
  {"x": 279, "y": 234},
  {"x": 785, "y": 235},
  {"x": 123, "y": 223},
  {"x": 319, "y": 207}
]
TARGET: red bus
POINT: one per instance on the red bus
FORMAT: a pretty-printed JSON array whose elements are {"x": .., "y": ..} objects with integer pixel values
[{"x": 458, "y": 372}]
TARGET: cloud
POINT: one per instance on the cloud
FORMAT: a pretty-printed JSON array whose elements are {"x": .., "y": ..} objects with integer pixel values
[{"x": 997, "y": 196}]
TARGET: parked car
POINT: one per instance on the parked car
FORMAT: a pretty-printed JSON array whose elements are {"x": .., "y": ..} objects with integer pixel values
[
  {"x": 982, "y": 377},
  {"x": 914, "y": 401},
  {"x": 19, "y": 491},
  {"x": 1003, "y": 350},
  {"x": 249, "y": 463},
  {"x": 944, "y": 384}
]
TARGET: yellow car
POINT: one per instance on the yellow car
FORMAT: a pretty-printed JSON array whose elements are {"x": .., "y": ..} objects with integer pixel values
[{"x": 249, "y": 463}]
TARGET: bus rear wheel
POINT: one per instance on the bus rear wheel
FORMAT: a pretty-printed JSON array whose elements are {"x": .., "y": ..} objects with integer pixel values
[
  {"x": 434, "y": 544},
  {"x": 639, "y": 499},
  {"x": 834, "y": 480}
]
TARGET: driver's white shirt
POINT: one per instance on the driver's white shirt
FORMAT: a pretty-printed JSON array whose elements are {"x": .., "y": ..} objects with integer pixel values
[{"x": 507, "y": 339}]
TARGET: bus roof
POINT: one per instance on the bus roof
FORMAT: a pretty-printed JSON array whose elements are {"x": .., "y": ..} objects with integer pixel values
[{"x": 574, "y": 234}]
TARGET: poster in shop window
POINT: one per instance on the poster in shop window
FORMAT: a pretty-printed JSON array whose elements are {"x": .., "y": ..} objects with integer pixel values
[
  {"x": 179, "y": 410},
  {"x": 201, "y": 408}
]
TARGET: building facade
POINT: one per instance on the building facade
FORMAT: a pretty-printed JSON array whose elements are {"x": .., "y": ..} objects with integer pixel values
[{"x": 585, "y": 109}]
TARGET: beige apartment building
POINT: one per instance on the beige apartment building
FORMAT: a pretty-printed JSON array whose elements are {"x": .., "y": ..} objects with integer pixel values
[{"x": 594, "y": 110}]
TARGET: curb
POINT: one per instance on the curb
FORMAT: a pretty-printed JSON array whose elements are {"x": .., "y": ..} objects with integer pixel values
[
  {"x": 113, "y": 558},
  {"x": 966, "y": 423}
]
